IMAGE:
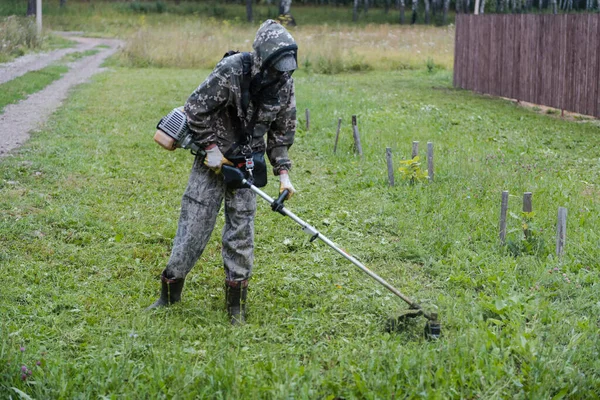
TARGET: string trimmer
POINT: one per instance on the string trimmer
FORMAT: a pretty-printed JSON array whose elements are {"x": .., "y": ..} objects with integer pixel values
[{"x": 235, "y": 177}]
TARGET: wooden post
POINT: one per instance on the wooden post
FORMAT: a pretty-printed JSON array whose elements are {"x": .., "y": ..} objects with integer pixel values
[
  {"x": 415, "y": 149},
  {"x": 357, "y": 145},
  {"x": 430, "y": 160},
  {"x": 527, "y": 208},
  {"x": 561, "y": 231},
  {"x": 38, "y": 16},
  {"x": 503, "y": 211},
  {"x": 390, "y": 165},
  {"x": 337, "y": 135},
  {"x": 307, "y": 113}
]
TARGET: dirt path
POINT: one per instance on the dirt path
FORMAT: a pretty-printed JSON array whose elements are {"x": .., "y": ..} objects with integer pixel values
[{"x": 19, "y": 119}]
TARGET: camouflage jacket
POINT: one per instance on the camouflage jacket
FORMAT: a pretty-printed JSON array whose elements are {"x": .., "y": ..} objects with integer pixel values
[{"x": 214, "y": 110}]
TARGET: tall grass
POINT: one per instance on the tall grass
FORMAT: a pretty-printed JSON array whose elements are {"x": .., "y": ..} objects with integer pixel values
[
  {"x": 195, "y": 35},
  {"x": 17, "y": 36},
  {"x": 323, "y": 49}
]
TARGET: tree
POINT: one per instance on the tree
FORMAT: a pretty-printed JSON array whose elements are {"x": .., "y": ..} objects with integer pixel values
[
  {"x": 355, "y": 11},
  {"x": 402, "y": 5},
  {"x": 31, "y": 7},
  {"x": 426, "y": 11},
  {"x": 249, "y": 10},
  {"x": 446, "y": 8},
  {"x": 413, "y": 19}
]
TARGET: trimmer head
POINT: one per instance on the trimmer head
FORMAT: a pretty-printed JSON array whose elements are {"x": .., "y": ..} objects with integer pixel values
[{"x": 432, "y": 330}]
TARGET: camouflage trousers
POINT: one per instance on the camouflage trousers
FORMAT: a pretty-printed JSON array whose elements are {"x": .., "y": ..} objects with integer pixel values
[{"x": 199, "y": 209}]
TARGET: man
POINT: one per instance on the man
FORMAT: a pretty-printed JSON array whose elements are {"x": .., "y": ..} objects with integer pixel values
[{"x": 245, "y": 98}]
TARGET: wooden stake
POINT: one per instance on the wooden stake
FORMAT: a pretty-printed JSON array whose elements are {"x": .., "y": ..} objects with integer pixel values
[
  {"x": 527, "y": 208},
  {"x": 307, "y": 113},
  {"x": 430, "y": 160},
  {"x": 390, "y": 166},
  {"x": 561, "y": 231},
  {"x": 415, "y": 149},
  {"x": 357, "y": 145},
  {"x": 503, "y": 211},
  {"x": 337, "y": 135}
]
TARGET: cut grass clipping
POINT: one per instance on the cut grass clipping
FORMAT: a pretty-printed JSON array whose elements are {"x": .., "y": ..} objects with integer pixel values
[{"x": 19, "y": 88}]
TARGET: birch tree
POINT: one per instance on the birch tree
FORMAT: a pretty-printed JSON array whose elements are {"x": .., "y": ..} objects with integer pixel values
[
  {"x": 355, "y": 11},
  {"x": 426, "y": 11}
]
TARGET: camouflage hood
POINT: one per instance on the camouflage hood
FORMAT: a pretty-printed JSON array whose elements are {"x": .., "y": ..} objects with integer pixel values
[{"x": 272, "y": 40}]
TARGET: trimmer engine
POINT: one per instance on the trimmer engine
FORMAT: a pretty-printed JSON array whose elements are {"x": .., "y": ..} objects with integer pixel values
[{"x": 172, "y": 132}]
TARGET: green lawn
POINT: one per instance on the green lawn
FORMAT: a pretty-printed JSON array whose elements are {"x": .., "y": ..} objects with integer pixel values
[{"x": 90, "y": 207}]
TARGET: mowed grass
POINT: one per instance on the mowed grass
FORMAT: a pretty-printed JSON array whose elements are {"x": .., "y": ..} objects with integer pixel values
[{"x": 90, "y": 207}]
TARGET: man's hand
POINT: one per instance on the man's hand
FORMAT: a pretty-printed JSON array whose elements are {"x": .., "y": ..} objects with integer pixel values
[
  {"x": 214, "y": 158},
  {"x": 285, "y": 183}
]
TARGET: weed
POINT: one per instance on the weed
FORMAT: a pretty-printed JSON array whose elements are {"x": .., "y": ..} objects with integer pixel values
[
  {"x": 531, "y": 240},
  {"x": 430, "y": 65},
  {"x": 17, "y": 36},
  {"x": 77, "y": 55}
]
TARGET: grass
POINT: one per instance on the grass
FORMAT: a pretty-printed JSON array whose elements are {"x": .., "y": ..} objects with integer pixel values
[
  {"x": 19, "y": 88},
  {"x": 19, "y": 36},
  {"x": 322, "y": 49},
  {"x": 183, "y": 36},
  {"x": 91, "y": 206},
  {"x": 77, "y": 55}
]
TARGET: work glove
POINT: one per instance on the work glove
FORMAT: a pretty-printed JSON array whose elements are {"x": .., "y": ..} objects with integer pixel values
[
  {"x": 214, "y": 158},
  {"x": 285, "y": 183}
]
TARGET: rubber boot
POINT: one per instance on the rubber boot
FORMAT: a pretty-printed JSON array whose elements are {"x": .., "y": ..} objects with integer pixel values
[
  {"x": 235, "y": 295},
  {"x": 170, "y": 292}
]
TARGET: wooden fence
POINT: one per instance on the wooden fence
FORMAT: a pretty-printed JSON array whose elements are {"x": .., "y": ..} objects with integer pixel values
[{"x": 551, "y": 60}]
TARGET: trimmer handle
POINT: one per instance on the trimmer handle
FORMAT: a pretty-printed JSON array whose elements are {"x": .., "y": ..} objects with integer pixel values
[{"x": 277, "y": 205}]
